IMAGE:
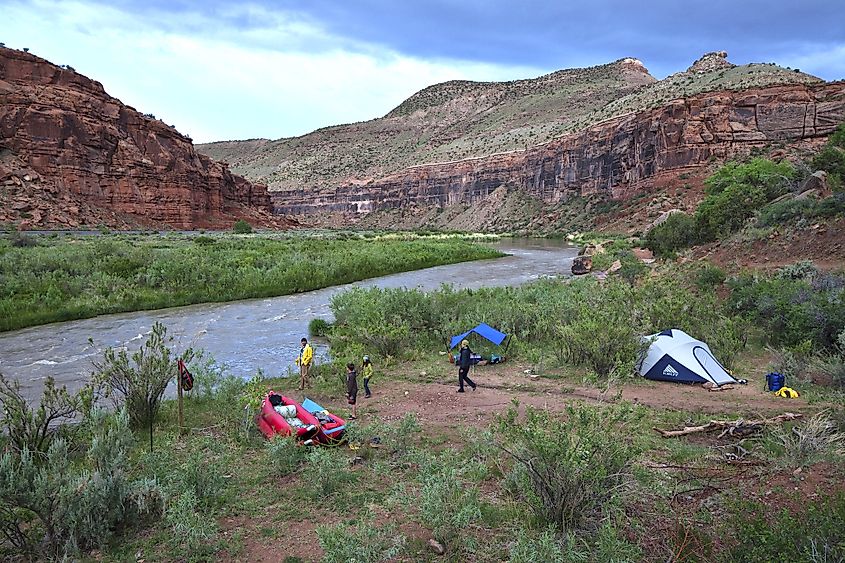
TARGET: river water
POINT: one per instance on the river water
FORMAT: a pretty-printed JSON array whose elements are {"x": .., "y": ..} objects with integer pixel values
[{"x": 253, "y": 333}]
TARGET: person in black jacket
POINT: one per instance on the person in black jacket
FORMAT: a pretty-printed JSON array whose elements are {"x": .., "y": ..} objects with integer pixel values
[{"x": 463, "y": 367}]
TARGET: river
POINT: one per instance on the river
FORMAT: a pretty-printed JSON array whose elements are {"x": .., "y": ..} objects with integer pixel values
[{"x": 252, "y": 333}]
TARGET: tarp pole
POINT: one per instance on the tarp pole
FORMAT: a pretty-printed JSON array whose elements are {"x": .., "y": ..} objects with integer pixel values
[{"x": 507, "y": 344}]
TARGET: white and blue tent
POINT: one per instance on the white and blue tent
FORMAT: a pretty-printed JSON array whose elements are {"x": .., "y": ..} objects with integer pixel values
[{"x": 674, "y": 355}]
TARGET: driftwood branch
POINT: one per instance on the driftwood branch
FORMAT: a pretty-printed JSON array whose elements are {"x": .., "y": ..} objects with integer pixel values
[{"x": 738, "y": 427}]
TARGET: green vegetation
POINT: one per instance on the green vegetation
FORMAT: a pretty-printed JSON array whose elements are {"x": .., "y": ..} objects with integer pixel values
[
  {"x": 573, "y": 321},
  {"x": 241, "y": 227},
  {"x": 797, "y": 304},
  {"x": 71, "y": 278},
  {"x": 760, "y": 189},
  {"x": 736, "y": 191}
]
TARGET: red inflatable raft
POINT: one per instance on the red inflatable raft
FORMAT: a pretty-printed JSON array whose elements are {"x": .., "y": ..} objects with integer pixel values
[{"x": 282, "y": 415}]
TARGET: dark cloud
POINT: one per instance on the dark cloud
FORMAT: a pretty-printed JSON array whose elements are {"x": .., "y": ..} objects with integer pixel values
[{"x": 666, "y": 34}]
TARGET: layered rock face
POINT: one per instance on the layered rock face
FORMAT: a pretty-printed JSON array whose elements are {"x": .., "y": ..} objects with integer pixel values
[
  {"x": 617, "y": 157},
  {"x": 70, "y": 154}
]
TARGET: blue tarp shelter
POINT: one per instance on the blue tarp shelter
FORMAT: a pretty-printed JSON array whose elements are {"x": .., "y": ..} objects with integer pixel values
[{"x": 484, "y": 330}]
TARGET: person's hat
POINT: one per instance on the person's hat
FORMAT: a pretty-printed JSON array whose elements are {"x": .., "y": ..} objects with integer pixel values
[
  {"x": 366, "y": 358},
  {"x": 464, "y": 343}
]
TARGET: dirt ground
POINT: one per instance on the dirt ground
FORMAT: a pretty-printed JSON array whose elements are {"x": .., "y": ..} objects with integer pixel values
[{"x": 442, "y": 413}]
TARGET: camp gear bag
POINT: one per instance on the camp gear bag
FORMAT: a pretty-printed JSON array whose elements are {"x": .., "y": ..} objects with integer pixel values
[
  {"x": 185, "y": 377},
  {"x": 774, "y": 381}
]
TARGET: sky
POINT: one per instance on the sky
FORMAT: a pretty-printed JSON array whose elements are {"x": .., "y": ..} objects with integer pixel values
[{"x": 238, "y": 70}]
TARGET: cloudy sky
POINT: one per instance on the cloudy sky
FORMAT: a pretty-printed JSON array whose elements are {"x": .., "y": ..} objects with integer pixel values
[{"x": 226, "y": 70}]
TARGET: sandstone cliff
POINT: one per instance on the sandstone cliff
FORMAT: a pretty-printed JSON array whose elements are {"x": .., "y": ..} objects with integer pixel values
[
  {"x": 72, "y": 155},
  {"x": 616, "y": 157}
]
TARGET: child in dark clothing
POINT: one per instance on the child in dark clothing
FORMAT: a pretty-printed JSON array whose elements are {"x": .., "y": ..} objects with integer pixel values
[{"x": 351, "y": 388}]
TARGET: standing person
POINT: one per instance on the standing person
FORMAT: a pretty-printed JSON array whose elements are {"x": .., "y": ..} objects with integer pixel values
[
  {"x": 463, "y": 367},
  {"x": 351, "y": 388},
  {"x": 367, "y": 372},
  {"x": 306, "y": 354}
]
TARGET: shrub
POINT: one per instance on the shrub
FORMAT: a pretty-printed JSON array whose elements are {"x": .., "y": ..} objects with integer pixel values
[
  {"x": 328, "y": 472},
  {"x": 600, "y": 332},
  {"x": 530, "y": 547},
  {"x": 22, "y": 240},
  {"x": 448, "y": 503},
  {"x": 792, "y": 310},
  {"x": 787, "y": 211},
  {"x": 74, "y": 495},
  {"x": 791, "y": 362},
  {"x": 138, "y": 381},
  {"x": 284, "y": 455},
  {"x": 319, "y": 327},
  {"x": 676, "y": 233},
  {"x": 810, "y": 441},
  {"x": 814, "y": 534},
  {"x": 241, "y": 227},
  {"x": 571, "y": 470},
  {"x": 368, "y": 542},
  {"x": 34, "y": 429},
  {"x": 710, "y": 276},
  {"x": 736, "y": 191}
]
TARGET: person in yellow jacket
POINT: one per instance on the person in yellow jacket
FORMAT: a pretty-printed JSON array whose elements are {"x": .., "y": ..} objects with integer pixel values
[
  {"x": 306, "y": 354},
  {"x": 367, "y": 372}
]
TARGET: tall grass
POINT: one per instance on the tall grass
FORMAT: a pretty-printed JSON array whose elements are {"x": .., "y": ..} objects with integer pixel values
[{"x": 71, "y": 278}]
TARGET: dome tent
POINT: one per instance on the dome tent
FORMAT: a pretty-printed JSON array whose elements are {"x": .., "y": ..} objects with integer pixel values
[{"x": 674, "y": 355}]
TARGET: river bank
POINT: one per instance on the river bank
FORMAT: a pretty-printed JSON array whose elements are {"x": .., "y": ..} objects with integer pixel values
[
  {"x": 50, "y": 279},
  {"x": 252, "y": 333}
]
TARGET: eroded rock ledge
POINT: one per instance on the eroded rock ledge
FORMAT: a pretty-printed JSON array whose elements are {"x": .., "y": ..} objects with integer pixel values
[
  {"x": 70, "y": 154},
  {"x": 618, "y": 157}
]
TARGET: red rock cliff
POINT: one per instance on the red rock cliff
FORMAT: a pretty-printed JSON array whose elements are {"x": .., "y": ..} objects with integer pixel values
[
  {"x": 617, "y": 157},
  {"x": 70, "y": 154}
]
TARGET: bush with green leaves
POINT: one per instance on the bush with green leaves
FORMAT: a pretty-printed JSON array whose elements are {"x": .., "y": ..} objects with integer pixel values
[
  {"x": 571, "y": 470},
  {"x": 677, "y": 232},
  {"x": 736, "y": 191},
  {"x": 831, "y": 158},
  {"x": 710, "y": 276},
  {"x": 35, "y": 428},
  {"x": 367, "y": 542},
  {"x": 545, "y": 545},
  {"x": 285, "y": 455},
  {"x": 600, "y": 333},
  {"x": 74, "y": 496},
  {"x": 448, "y": 501},
  {"x": 812, "y": 533},
  {"x": 138, "y": 382},
  {"x": 328, "y": 472},
  {"x": 241, "y": 227},
  {"x": 319, "y": 327},
  {"x": 792, "y": 306}
]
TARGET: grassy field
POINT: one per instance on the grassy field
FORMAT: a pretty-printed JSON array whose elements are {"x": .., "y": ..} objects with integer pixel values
[
  {"x": 553, "y": 458},
  {"x": 57, "y": 278},
  {"x": 447, "y": 467}
]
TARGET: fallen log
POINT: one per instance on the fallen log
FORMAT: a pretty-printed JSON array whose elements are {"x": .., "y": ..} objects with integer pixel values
[{"x": 730, "y": 427}]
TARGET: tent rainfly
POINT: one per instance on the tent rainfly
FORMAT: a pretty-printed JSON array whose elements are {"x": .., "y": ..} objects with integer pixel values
[
  {"x": 676, "y": 356},
  {"x": 483, "y": 330}
]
